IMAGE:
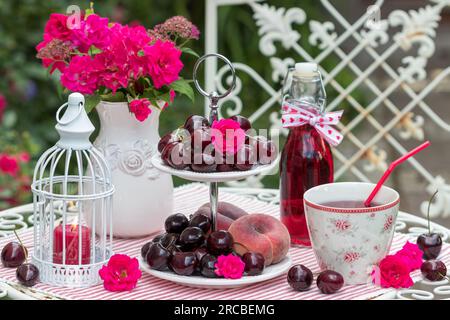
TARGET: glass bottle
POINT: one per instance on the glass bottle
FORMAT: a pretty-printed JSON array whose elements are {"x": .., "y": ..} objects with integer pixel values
[{"x": 306, "y": 159}]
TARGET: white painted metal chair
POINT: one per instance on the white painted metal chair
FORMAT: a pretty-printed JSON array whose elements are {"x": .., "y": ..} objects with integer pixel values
[{"x": 409, "y": 35}]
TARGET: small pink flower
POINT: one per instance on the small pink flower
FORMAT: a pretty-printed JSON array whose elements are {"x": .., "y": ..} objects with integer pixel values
[
  {"x": 393, "y": 271},
  {"x": 94, "y": 31},
  {"x": 140, "y": 108},
  {"x": 388, "y": 223},
  {"x": 350, "y": 257},
  {"x": 82, "y": 75},
  {"x": 230, "y": 267},
  {"x": 227, "y": 136},
  {"x": 172, "y": 95},
  {"x": 9, "y": 165},
  {"x": 121, "y": 273},
  {"x": 164, "y": 64},
  {"x": 56, "y": 27},
  {"x": 412, "y": 254},
  {"x": 342, "y": 225}
]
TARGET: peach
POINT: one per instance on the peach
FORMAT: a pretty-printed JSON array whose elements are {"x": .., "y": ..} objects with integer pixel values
[
  {"x": 263, "y": 234},
  {"x": 223, "y": 222}
]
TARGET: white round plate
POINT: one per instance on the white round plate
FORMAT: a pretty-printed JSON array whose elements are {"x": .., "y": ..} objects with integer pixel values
[
  {"x": 212, "y": 176},
  {"x": 269, "y": 272}
]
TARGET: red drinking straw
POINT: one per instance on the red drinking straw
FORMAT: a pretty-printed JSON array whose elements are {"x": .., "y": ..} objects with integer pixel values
[{"x": 391, "y": 168}]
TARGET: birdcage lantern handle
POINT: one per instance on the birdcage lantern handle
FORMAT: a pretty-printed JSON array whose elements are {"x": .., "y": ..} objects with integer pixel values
[{"x": 63, "y": 123}]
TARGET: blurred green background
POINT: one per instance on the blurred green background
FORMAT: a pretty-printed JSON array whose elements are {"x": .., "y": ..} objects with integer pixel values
[{"x": 32, "y": 95}]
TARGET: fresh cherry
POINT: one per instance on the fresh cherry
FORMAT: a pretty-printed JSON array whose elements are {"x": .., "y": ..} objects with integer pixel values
[
  {"x": 300, "y": 277},
  {"x": 195, "y": 122},
  {"x": 434, "y": 270},
  {"x": 13, "y": 255},
  {"x": 245, "y": 158},
  {"x": 430, "y": 243},
  {"x": 158, "y": 237},
  {"x": 145, "y": 248},
  {"x": 169, "y": 239},
  {"x": 27, "y": 274},
  {"x": 183, "y": 263},
  {"x": 176, "y": 155},
  {"x": 201, "y": 221},
  {"x": 201, "y": 139},
  {"x": 220, "y": 242},
  {"x": 176, "y": 223},
  {"x": 223, "y": 167},
  {"x": 158, "y": 257},
  {"x": 244, "y": 123},
  {"x": 266, "y": 150},
  {"x": 192, "y": 237},
  {"x": 330, "y": 281},
  {"x": 254, "y": 263},
  {"x": 207, "y": 266},
  {"x": 200, "y": 253},
  {"x": 204, "y": 163}
]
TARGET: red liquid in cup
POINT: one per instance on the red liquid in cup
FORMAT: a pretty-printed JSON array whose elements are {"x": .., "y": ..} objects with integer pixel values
[{"x": 349, "y": 204}]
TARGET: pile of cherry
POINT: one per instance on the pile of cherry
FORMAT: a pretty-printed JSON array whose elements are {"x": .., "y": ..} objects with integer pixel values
[
  {"x": 190, "y": 147},
  {"x": 190, "y": 248},
  {"x": 14, "y": 255}
]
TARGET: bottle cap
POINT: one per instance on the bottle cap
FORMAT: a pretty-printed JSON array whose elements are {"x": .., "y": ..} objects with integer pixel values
[{"x": 306, "y": 69}]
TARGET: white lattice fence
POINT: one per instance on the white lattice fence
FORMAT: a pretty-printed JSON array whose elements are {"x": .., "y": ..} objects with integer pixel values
[{"x": 409, "y": 35}]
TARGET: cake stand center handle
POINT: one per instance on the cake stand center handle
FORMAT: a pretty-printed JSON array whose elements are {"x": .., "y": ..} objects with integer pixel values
[{"x": 213, "y": 97}]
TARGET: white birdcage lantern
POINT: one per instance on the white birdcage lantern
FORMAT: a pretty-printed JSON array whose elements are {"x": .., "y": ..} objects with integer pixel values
[{"x": 72, "y": 195}]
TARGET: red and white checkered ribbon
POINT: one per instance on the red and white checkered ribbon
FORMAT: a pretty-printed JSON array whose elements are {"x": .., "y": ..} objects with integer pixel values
[{"x": 295, "y": 116}]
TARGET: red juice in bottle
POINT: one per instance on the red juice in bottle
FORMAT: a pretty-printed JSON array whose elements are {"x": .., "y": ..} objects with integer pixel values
[{"x": 306, "y": 159}]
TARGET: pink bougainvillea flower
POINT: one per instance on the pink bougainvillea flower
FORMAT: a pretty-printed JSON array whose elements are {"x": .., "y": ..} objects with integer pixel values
[
  {"x": 94, "y": 31},
  {"x": 2, "y": 106},
  {"x": 163, "y": 62},
  {"x": 172, "y": 95},
  {"x": 24, "y": 157},
  {"x": 230, "y": 267},
  {"x": 9, "y": 165},
  {"x": 121, "y": 273},
  {"x": 141, "y": 109},
  {"x": 227, "y": 136},
  {"x": 393, "y": 272},
  {"x": 56, "y": 27},
  {"x": 82, "y": 75}
]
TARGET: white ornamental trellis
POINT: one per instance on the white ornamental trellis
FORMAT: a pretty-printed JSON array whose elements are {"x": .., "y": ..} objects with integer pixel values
[{"x": 407, "y": 34}]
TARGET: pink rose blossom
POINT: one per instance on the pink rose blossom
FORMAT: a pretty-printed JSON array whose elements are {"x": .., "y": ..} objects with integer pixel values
[
  {"x": 9, "y": 165},
  {"x": 2, "y": 106},
  {"x": 56, "y": 27},
  {"x": 393, "y": 271},
  {"x": 163, "y": 64},
  {"x": 82, "y": 75},
  {"x": 227, "y": 136},
  {"x": 121, "y": 273},
  {"x": 24, "y": 157},
  {"x": 412, "y": 254},
  {"x": 94, "y": 31},
  {"x": 172, "y": 95},
  {"x": 230, "y": 267},
  {"x": 141, "y": 109}
]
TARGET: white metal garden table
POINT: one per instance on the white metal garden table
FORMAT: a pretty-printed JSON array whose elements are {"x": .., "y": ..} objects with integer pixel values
[{"x": 20, "y": 217}]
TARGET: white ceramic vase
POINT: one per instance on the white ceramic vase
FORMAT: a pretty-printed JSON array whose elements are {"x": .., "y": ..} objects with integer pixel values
[{"x": 144, "y": 196}]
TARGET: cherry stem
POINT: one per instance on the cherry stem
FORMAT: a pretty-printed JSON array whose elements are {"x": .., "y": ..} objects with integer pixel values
[
  {"x": 428, "y": 211},
  {"x": 23, "y": 247},
  {"x": 241, "y": 244}
]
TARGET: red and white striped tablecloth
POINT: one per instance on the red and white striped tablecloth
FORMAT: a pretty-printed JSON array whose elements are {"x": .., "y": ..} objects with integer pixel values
[{"x": 187, "y": 199}]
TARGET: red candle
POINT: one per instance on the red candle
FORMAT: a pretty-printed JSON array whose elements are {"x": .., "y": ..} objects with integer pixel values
[{"x": 72, "y": 244}]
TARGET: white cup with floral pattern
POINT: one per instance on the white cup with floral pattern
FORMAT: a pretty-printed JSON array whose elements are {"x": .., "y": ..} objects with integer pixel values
[{"x": 346, "y": 236}]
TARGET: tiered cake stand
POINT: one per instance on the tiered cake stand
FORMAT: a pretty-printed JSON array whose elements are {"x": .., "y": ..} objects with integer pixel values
[{"x": 213, "y": 179}]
